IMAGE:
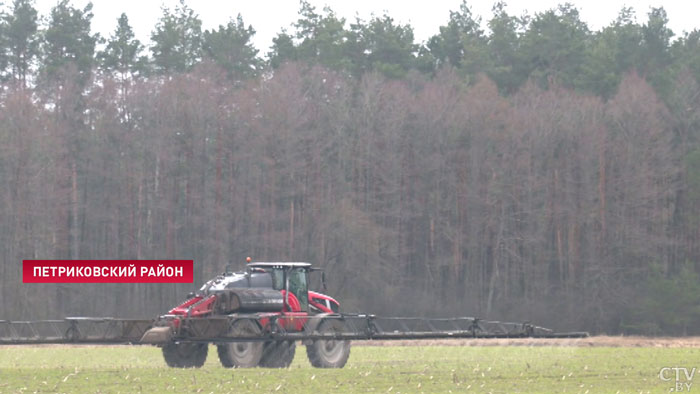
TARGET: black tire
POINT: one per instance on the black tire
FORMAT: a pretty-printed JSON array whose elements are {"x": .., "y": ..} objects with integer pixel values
[
  {"x": 185, "y": 355},
  {"x": 328, "y": 353},
  {"x": 241, "y": 354},
  {"x": 278, "y": 354}
]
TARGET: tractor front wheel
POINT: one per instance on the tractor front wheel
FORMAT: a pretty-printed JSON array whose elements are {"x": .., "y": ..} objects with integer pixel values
[
  {"x": 329, "y": 353},
  {"x": 278, "y": 354},
  {"x": 241, "y": 354},
  {"x": 185, "y": 354}
]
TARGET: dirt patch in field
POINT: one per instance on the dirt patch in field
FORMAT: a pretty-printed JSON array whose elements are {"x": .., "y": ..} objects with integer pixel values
[{"x": 606, "y": 341}]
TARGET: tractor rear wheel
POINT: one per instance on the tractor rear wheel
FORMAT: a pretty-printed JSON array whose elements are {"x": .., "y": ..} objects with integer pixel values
[
  {"x": 241, "y": 354},
  {"x": 278, "y": 354},
  {"x": 185, "y": 354},
  {"x": 329, "y": 353}
]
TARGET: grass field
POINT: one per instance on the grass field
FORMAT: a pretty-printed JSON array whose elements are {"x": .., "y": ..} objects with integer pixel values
[{"x": 430, "y": 369}]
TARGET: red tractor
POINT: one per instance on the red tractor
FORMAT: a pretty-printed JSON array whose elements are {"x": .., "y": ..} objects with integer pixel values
[{"x": 266, "y": 298}]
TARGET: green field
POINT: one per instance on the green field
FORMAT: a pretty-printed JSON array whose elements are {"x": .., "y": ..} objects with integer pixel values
[{"x": 393, "y": 369}]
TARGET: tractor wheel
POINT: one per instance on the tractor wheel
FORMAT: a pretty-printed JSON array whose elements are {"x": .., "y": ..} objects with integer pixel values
[
  {"x": 185, "y": 354},
  {"x": 278, "y": 354},
  {"x": 328, "y": 353},
  {"x": 241, "y": 354}
]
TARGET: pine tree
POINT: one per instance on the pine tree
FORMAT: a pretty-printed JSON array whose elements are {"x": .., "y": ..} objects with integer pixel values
[
  {"x": 20, "y": 40},
  {"x": 177, "y": 40},
  {"x": 231, "y": 48}
]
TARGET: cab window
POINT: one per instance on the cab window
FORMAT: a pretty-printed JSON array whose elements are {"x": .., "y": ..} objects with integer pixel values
[
  {"x": 277, "y": 279},
  {"x": 298, "y": 286}
]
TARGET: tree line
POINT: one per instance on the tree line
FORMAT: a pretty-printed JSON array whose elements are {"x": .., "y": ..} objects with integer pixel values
[{"x": 534, "y": 170}]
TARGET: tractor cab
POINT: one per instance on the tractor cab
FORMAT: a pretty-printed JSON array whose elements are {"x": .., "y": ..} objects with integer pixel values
[{"x": 291, "y": 278}]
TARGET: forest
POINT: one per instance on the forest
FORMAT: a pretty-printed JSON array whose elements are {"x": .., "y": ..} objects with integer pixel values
[{"x": 511, "y": 167}]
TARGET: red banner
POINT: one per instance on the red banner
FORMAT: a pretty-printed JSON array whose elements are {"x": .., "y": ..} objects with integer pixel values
[{"x": 107, "y": 271}]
